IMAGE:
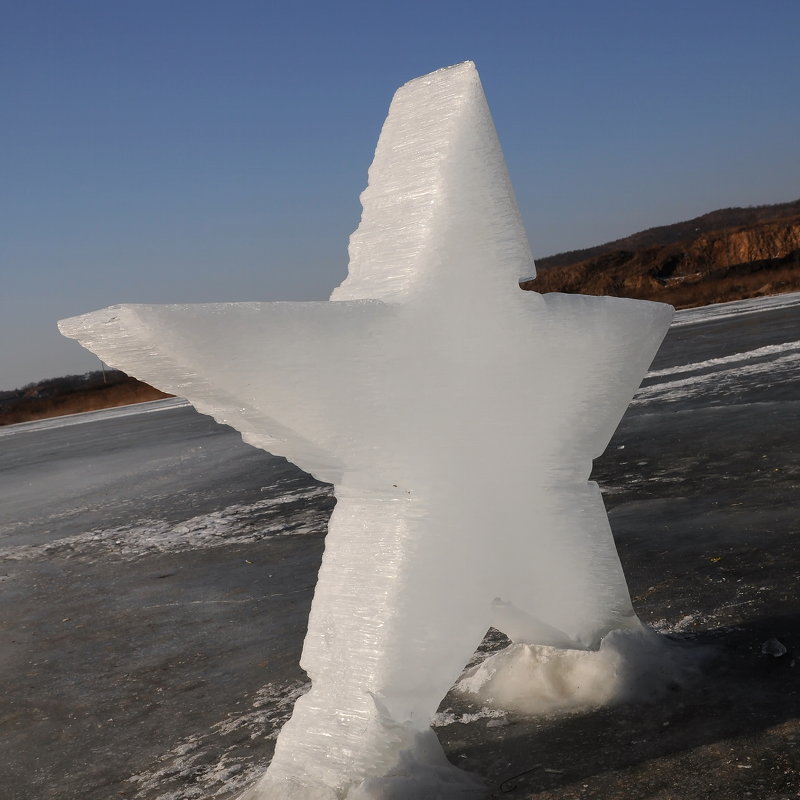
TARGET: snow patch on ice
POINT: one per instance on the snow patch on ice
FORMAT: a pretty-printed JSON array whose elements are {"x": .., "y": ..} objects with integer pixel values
[
  {"x": 240, "y": 523},
  {"x": 685, "y": 623},
  {"x": 735, "y": 358},
  {"x": 735, "y": 308},
  {"x": 719, "y": 381},
  {"x": 215, "y": 763},
  {"x": 449, "y": 717}
]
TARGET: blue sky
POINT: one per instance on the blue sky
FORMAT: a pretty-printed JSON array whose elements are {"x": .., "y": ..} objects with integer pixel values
[{"x": 185, "y": 150}]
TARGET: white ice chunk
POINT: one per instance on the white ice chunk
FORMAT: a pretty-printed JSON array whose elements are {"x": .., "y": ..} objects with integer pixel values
[
  {"x": 458, "y": 417},
  {"x": 635, "y": 665},
  {"x": 439, "y": 206}
]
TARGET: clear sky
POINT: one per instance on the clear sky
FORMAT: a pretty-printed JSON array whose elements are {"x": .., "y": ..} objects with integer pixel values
[{"x": 185, "y": 150}]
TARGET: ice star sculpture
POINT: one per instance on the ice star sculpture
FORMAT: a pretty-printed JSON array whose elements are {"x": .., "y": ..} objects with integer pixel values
[{"x": 457, "y": 416}]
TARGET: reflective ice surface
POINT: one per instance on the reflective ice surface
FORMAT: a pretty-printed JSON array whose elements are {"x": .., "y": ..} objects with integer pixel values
[{"x": 426, "y": 354}]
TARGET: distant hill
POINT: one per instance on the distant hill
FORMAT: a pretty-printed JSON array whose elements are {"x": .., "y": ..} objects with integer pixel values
[
  {"x": 720, "y": 220},
  {"x": 72, "y": 394},
  {"x": 724, "y": 255}
]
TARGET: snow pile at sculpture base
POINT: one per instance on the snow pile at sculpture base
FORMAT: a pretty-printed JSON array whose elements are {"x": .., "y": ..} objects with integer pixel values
[{"x": 635, "y": 665}]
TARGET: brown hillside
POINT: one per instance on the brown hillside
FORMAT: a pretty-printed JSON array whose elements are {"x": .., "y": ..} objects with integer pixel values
[
  {"x": 708, "y": 267},
  {"x": 720, "y": 220},
  {"x": 72, "y": 395}
]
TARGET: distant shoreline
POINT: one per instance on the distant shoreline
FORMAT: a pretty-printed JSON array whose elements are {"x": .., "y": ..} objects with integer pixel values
[{"x": 123, "y": 391}]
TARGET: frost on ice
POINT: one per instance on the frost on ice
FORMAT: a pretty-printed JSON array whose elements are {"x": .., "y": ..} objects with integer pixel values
[{"x": 457, "y": 416}]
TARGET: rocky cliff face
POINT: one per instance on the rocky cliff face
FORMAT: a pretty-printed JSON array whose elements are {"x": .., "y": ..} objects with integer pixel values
[
  {"x": 761, "y": 243},
  {"x": 709, "y": 267}
]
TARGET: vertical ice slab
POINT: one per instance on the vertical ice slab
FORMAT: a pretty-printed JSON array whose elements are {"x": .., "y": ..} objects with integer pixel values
[
  {"x": 458, "y": 417},
  {"x": 439, "y": 206}
]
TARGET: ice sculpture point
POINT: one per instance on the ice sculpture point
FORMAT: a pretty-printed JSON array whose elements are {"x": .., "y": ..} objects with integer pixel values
[
  {"x": 457, "y": 417},
  {"x": 439, "y": 208}
]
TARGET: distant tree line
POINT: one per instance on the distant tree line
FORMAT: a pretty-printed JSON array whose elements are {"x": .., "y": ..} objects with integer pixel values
[{"x": 68, "y": 384}]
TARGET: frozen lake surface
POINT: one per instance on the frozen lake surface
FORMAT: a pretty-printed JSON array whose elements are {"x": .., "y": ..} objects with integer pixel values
[{"x": 156, "y": 574}]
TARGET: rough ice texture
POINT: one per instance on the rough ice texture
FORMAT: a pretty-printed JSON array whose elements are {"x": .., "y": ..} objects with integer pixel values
[
  {"x": 438, "y": 178},
  {"x": 457, "y": 416}
]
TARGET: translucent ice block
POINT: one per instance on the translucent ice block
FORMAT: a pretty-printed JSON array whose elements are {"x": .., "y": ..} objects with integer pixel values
[{"x": 457, "y": 416}]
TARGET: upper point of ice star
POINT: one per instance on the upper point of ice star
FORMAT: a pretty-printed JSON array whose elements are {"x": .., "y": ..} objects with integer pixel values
[{"x": 439, "y": 208}]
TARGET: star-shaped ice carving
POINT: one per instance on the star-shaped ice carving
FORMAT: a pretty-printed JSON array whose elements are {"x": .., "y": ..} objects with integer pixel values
[{"x": 457, "y": 416}]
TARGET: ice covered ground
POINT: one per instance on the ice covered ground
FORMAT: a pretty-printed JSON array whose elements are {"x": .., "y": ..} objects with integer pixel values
[
  {"x": 735, "y": 308},
  {"x": 152, "y": 605}
]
